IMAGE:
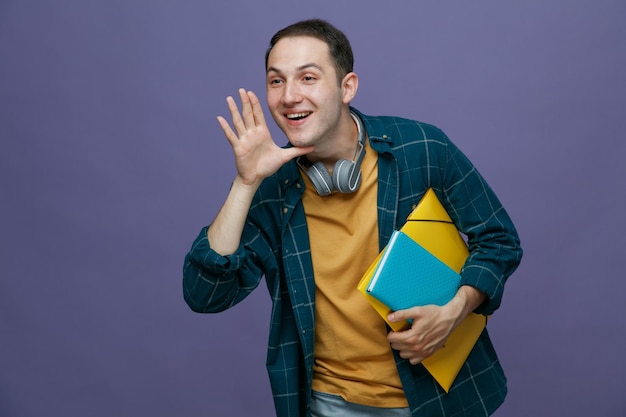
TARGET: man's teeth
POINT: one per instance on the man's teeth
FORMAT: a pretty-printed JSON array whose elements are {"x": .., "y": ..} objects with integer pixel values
[{"x": 295, "y": 116}]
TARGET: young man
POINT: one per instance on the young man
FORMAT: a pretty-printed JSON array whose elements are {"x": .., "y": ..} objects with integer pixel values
[{"x": 312, "y": 216}]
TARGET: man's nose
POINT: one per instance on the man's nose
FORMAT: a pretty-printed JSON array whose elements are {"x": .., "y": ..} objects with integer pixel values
[{"x": 291, "y": 94}]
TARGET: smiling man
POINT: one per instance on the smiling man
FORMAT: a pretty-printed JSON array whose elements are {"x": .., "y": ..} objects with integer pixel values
[{"x": 311, "y": 216}]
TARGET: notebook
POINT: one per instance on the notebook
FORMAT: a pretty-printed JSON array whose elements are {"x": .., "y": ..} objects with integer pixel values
[
  {"x": 437, "y": 242},
  {"x": 408, "y": 276}
]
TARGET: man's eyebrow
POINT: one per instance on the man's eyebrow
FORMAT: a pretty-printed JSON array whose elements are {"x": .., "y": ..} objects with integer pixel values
[{"x": 300, "y": 68}]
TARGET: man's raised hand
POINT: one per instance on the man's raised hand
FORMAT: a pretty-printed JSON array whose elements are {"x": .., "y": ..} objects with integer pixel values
[{"x": 256, "y": 154}]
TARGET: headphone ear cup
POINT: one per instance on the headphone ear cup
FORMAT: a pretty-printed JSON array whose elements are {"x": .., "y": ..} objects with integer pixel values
[
  {"x": 321, "y": 179},
  {"x": 345, "y": 179}
]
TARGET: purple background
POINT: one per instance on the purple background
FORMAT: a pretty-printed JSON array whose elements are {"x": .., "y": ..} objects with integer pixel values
[{"x": 111, "y": 160}]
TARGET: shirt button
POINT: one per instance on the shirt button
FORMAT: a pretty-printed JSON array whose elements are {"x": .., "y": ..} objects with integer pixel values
[{"x": 285, "y": 210}]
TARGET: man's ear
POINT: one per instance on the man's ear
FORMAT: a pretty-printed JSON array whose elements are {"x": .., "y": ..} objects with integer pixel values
[{"x": 349, "y": 86}]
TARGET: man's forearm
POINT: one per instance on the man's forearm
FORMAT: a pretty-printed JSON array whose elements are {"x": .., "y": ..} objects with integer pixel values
[
  {"x": 224, "y": 234},
  {"x": 466, "y": 300}
]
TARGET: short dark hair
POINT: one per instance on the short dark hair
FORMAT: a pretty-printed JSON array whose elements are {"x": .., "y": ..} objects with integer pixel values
[{"x": 338, "y": 44}]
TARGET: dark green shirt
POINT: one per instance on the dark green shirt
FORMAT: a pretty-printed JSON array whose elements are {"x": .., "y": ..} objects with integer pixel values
[{"x": 413, "y": 156}]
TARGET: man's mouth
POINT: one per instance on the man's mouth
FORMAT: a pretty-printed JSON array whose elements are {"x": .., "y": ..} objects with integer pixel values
[{"x": 297, "y": 116}]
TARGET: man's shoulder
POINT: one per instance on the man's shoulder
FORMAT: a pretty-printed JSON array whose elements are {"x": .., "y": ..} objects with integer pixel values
[{"x": 398, "y": 126}]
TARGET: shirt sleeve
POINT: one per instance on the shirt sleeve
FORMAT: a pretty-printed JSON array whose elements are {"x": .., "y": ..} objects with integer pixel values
[
  {"x": 212, "y": 282},
  {"x": 493, "y": 241}
]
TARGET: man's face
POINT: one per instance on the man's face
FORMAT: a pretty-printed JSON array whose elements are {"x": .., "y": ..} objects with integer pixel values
[{"x": 303, "y": 93}]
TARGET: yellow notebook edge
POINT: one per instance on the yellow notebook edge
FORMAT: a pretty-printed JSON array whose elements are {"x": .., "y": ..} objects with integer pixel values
[{"x": 445, "y": 364}]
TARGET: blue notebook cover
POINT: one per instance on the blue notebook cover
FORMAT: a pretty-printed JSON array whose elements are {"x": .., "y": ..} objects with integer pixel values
[{"x": 408, "y": 276}]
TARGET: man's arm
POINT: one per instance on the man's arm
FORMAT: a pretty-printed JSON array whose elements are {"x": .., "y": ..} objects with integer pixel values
[
  {"x": 213, "y": 279},
  {"x": 256, "y": 157},
  {"x": 225, "y": 231},
  {"x": 494, "y": 253}
]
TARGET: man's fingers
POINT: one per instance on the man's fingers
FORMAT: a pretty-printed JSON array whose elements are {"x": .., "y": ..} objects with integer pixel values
[
  {"x": 295, "y": 152},
  {"x": 238, "y": 123},
  {"x": 246, "y": 109},
  {"x": 415, "y": 361},
  {"x": 228, "y": 132},
  {"x": 251, "y": 114},
  {"x": 257, "y": 109}
]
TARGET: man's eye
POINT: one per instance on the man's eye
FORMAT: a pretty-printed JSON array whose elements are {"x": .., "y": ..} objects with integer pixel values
[
  {"x": 275, "y": 81},
  {"x": 309, "y": 78}
]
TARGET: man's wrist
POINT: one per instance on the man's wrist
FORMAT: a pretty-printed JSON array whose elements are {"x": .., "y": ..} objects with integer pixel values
[{"x": 466, "y": 300}]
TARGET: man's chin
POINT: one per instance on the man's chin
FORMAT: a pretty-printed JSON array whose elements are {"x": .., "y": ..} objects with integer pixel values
[{"x": 299, "y": 142}]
